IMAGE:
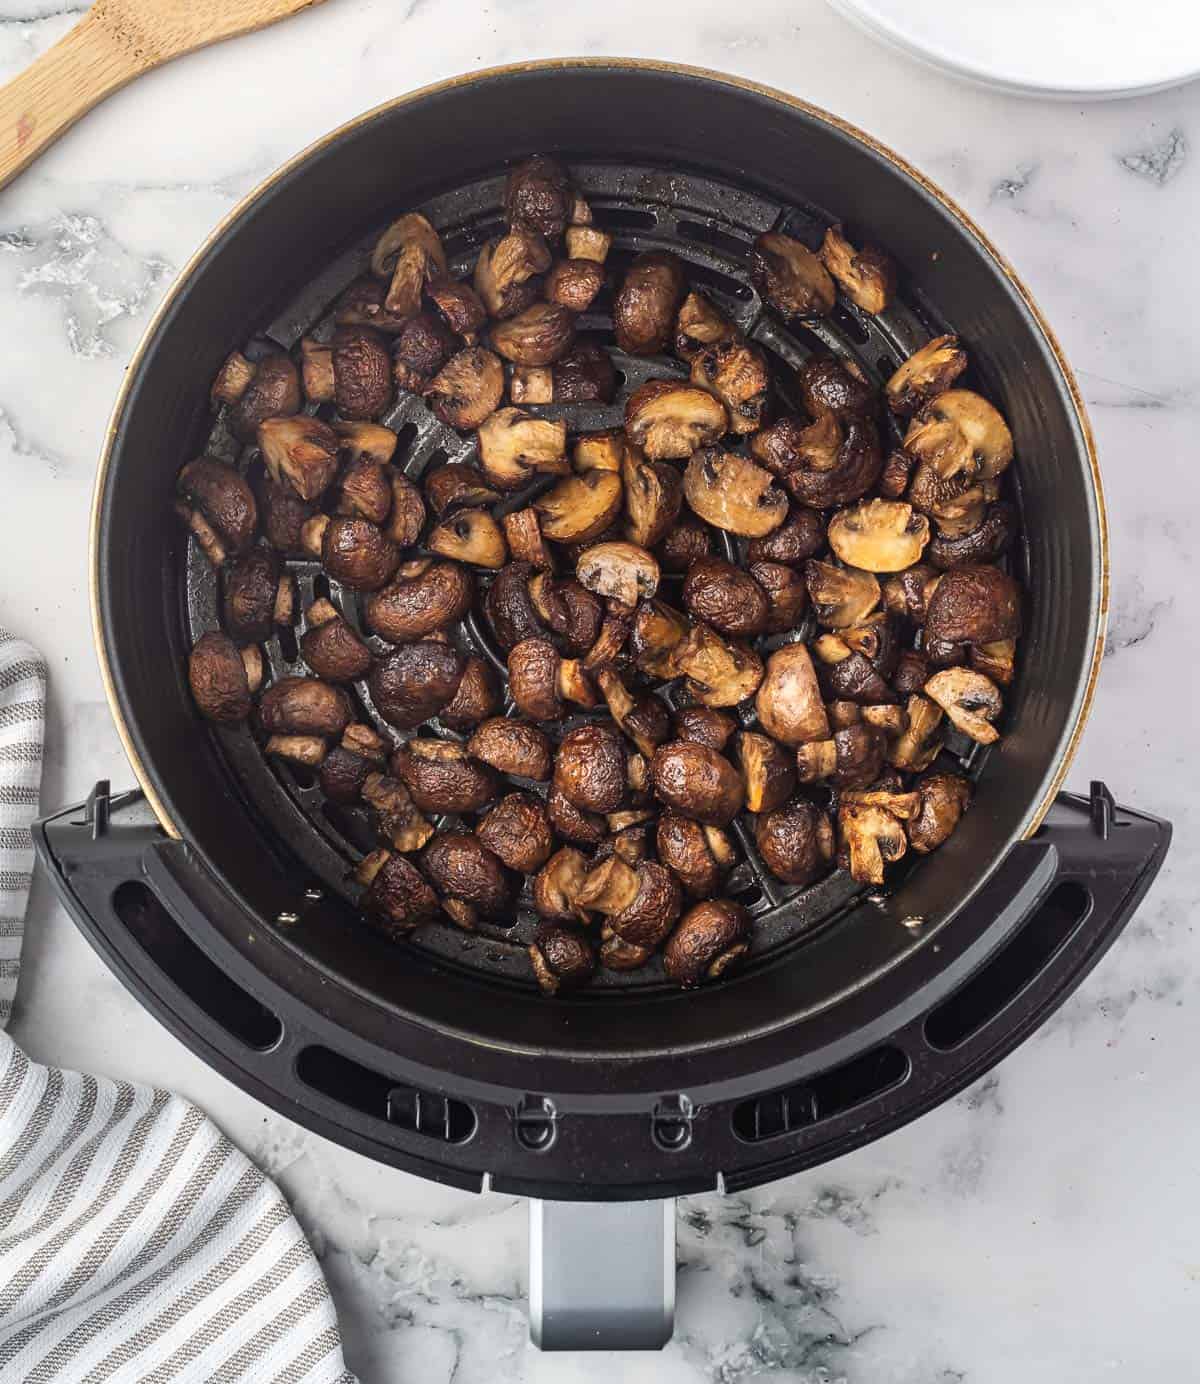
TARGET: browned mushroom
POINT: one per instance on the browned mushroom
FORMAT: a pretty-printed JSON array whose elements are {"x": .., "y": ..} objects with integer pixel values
[
  {"x": 513, "y": 747},
  {"x": 768, "y": 771},
  {"x": 396, "y": 818},
  {"x": 907, "y": 593},
  {"x": 710, "y": 940},
  {"x": 583, "y": 374},
  {"x": 273, "y": 391},
  {"x": 303, "y": 706},
  {"x": 912, "y": 672},
  {"x": 302, "y": 451},
  {"x": 509, "y": 606},
  {"x": 873, "y": 838},
  {"x": 697, "y": 782},
  {"x": 584, "y": 828},
  {"x": 415, "y": 682},
  {"x": 980, "y": 545},
  {"x": 477, "y": 697},
  {"x": 361, "y": 368},
  {"x": 517, "y": 830},
  {"x": 538, "y": 196},
  {"x": 574, "y": 283},
  {"x": 823, "y": 464},
  {"x": 345, "y": 768},
  {"x": 958, "y": 431},
  {"x": 578, "y": 509},
  {"x": 704, "y": 725},
  {"x": 852, "y": 758},
  {"x": 643, "y": 718},
  {"x": 330, "y": 647},
  {"x": 357, "y": 553},
  {"x": 600, "y": 451},
  {"x": 668, "y": 419},
  {"x": 536, "y": 336},
  {"x": 507, "y": 272},
  {"x": 426, "y": 596},
  {"x": 366, "y": 442},
  {"x": 700, "y": 324},
  {"x": 467, "y": 389},
  {"x": 732, "y": 493},
  {"x": 787, "y": 595},
  {"x": 398, "y": 897},
  {"x": 218, "y": 506},
  {"x": 958, "y": 505},
  {"x": 719, "y": 673},
  {"x": 879, "y": 535},
  {"x": 700, "y": 856},
  {"x": 442, "y": 777},
  {"x": 641, "y": 902},
  {"x": 653, "y": 497},
  {"x": 866, "y": 276},
  {"x": 800, "y": 536},
  {"x": 408, "y": 254},
  {"x": 591, "y": 767},
  {"x": 231, "y": 380},
  {"x": 996, "y": 660},
  {"x": 539, "y": 680},
  {"x": 459, "y": 866},
  {"x": 222, "y": 677},
  {"x": 256, "y": 597},
  {"x": 971, "y": 700},
  {"x": 471, "y": 536},
  {"x": 789, "y": 702},
  {"x": 587, "y": 243},
  {"x": 925, "y": 374},
  {"x": 687, "y": 540},
  {"x": 837, "y": 385},
  {"x": 917, "y": 747},
  {"x": 893, "y": 479},
  {"x": 460, "y": 306},
  {"x": 423, "y": 345},
  {"x": 525, "y": 541},
  {"x": 572, "y": 613},
  {"x": 646, "y": 302},
  {"x": 847, "y": 673},
  {"x": 656, "y": 632},
  {"x": 736, "y": 372},
  {"x": 621, "y": 572},
  {"x": 556, "y": 886},
  {"x": 795, "y": 842},
  {"x": 561, "y": 958},
  {"x": 616, "y": 954},
  {"x": 944, "y": 799},
  {"x": 790, "y": 277},
  {"x": 455, "y": 485},
  {"x": 283, "y": 513},
  {"x": 973, "y": 605},
  {"x": 725, "y": 597},
  {"x": 363, "y": 491}
]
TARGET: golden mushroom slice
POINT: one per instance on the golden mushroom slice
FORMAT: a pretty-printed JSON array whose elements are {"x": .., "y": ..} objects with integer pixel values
[
  {"x": 879, "y": 535},
  {"x": 925, "y": 374},
  {"x": 471, "y": 536},
  {"x": 657, "y": 631},
  {"x": 790, "y": 277},
  {"x": 410, "y": 254},
  {"x": 579, "y": 508},
  {"x": 841, "y": 596},
  {"x": 602, "y": 451},
  {"x": 959, "y": 431},
  {"x": 700, "y": 323},
  {"x": 733, "y": 493},
  {"x": 736, "y": 372},
  {"x": 667, "y": 419},
  {"x": 468, "y": 388},
  {"x": 718, "y": 673},
  {"x": 653, "y": 497},
  {"x": 623, "y": 572},
  {"x": 971, "y": 701},
  {"x": 873, "y": 838},
  {"x": 867, "y": 276},
  {"x": 513, "y": 445}
]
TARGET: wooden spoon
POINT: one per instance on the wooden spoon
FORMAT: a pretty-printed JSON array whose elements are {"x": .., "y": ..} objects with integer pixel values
[{"x": 116, "y": 41}]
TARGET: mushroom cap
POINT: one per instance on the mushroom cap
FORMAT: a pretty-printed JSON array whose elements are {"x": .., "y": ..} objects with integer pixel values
[
  {"x": 732, "y": 493},
  {"x": 800, "y": 536},
  {"x": 831, "y": 385},
  {"x": 561, "y": 958},
  {"x": 284, "y": 514},
  {"x": 790, "y": 277},
  {"x": 467, "y": 388},
  {"x": 533, "y": 667},
  {"x": 399, "y": 898},
  {"x": 697, "y": 782},
  {"x": 929, "y": 371},
  {"x": 358, "y": 554},
  {"x": 654, "y": 908},
  {"x": 415, "y": 682},
  {"x": 711, "y": 937},
  {"x": 518, "y": 831},
  {"x": 509, "y": 606},
  {"x": 859, "y": 755},
  {"x": 789, "y": 704},
  {"x": 407, "y": 517},
  {"x": 822, "y": 464},
  {"x": 725, "y": 597},
  {"x": 879, "y": 535},
  {"x": 335, "y": 652},
  {"x": 584, "y": 374},
  {"x": 217, "y": 677},
  {"x": 572, "y": 614},
  {"x": 700, "y": 856},
  {"x": 974, "y": 605},
  {"x": 513, "y": 747},
  {"x": 274, "y": 392},
  {"x": 574, "y": 283},
  {"x": 536, "y": 336},
  {"x": 579, "y": 508},
  {"x": 983, "y": 544},
  {"x": 705, "y": 725},
  {"x": 420, "y": 601},
  {"x": 538, "y": 196},
  {"x": 343, "y": 774},
  {"x": 668, "y": 419},
  {"x": 645, "y": 304},
  {"x": 459, "y": 305},
  {"x": 688, "y": 539},
  {"x": 477, "y": 698},
  {"x": 364, "y": 491},
  {"x": 944, "y": 799},
  {"x": 456, "y": 483},
  {"x": 656, "y": 632},
  {"x": 461, "y": 867},
  {"x": 422, "y": 347},
  {"x": 442, "y": 777},
  {"x": 795, "y": 842},
  {"x": 786, "y": 592},
  {"x": 736, "y": 372},
  {"x": 362, "y": 372},
  {"x": 249, "y": 587},
  {"x": 303, "y": 706},
  {"x": 224, "y": 498},
  {"x": 584, "y": 828},
  {"x": 590, "y": 767}
]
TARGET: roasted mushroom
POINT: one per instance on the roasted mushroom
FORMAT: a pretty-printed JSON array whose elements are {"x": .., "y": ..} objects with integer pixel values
[
  {"x": 700, "y": 856},
  {"x": 508, "y": 269},
  {"x": 256, "y": 597},
  {"x": 822, "y": 464},
  {"x": 718, "y": 673},
  {"x": 640, "y": 902},
  {"x": 873, "y": 838},
  {"x": 911, "y": 674},
  {"x": 788, "y": 702},
  {"x": 927, "y": 373},
  {"x": 795, "y": 842},
  {"x": 525, "y": 542},
  {"x": 656, "y": 632},
  {"x": 587, "y": 243},
  {"x": 879, "y": 535},
  {"x": 835, "y": 385},
  {"x": 700, "y": 324},
  {"x": 579, "y": 508},
  {"x": 425, "y": 597},
  {"x": 218, "y": 506},
  {"x": 361, "y": 304},
  {"x": 408, "y": 254},
  {"x": 423, "y": 345},
  {"x": 591, "y": 767},
  {"x": 866, "y": 276},
  {"x": 848, "y": 673},
  {"x": 536, "y": 336},
  {"x": 396, "y": 818},
  {"x": 971, "y": 700},
  {"x": 646, "y": 302},
  {"x": 222, "y": 677},
  {"x": 330, "y": 647},
  {"x": 540, "y": 680},
  {"x": 687, "y": 540},
  {"x": 973, "y": 605},
  {"x": 917, "y": 746},
  {"x": 996, "y": 660},
  {"x": 518, "y": 832},
  {"x": 697, "y": 782},
  {"x": 907, "y": 593},
  {"x": 958, "y": 431},
  {"x": 584, "y": 828},
  {"x": 668, "y": 419},
  {"x": 513, "y": 747},
  {"x": 958, "y": 505},
  {"x": 894, "y": 478},
  {"x": 768, "y": 771},
  {"x": 477, "y": 697},
  {"x": 736, "y": 372},
  {"x": 621, "y": 572},
  {"x": 800, "y": 536},
  {"x": 732, "y": 493},
  {"x": 556, "y": 886},
  {"x": 584, "y": 374},
  {"x": 944, "y": 799},
  {"x": 538, "y": 196},
  {"x": 363, "y": 491},
  {"x": 574, "y": 283},
  {"x": 460, "y": 306},
  {"x": 509, "y": 606},
  {"x": 725, "y": 597},
  {"x": 467, "y": 389},
  {"x": 407, "y": 516},
  {"x": 415, "y": 682},
  {"x": 705, "y": 726},
  {"x": 303, "y": 706},
  {"x": 354, "y": 372},
  {"x": 980, "y": 545},
  {"x": 283, "y": 514},
  {"x": 787, "y": 595},
  {"x": 653, "y": 497},
  {"x": 442, "y": 777},
  {"x": 790, "y": 277},
  {"x": 358, "y": 554},
  {"x": 561, "y": 958},
  {"x": 644, "y": 718},
  {"x": 573, "y": 614},
  {"x": 852, "y": 758},
  {"x": 272, "y": 391},
  {"x": 460, "y": 866},
  {"x": 471, "y": 536},
  {"x": 398, "y": 896},
  {"x": 710, "y": 940},
  {"x": 302, "y": 451}
]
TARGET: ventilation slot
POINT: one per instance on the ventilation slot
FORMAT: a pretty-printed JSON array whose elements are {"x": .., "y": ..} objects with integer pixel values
[
  {"x": 349, "y": 1083},
  {"x": 626, "y": 217},
  {"x": 1019, "y": 962},
  {"x": 702, "y": 276},
  {"x": 827, "y": 1095},
  {"x": 191, "y": 971},
  {"x": 288, "y": 647},
  {"x": 702, "y": 234},
  {"x": 850, "y": 324}
]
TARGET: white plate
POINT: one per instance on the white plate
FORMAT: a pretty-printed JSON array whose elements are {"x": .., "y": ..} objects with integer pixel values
[{"x": 1077, "y": 49}]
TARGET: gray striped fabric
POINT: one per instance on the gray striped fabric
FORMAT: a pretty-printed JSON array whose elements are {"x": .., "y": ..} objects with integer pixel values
[{"x": 137, "y": 1245}]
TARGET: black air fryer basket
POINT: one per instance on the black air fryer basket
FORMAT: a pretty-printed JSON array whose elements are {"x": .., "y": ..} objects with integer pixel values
[{"x": 220, "y": 891}]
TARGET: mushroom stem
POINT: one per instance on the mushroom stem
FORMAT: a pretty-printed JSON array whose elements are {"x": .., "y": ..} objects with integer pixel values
[
  {"x": 253, "y": 662},
  {"x": 300, "y": 749},
  {"x": 370, "y": 866},
  {"x": 210, "y": 543}
]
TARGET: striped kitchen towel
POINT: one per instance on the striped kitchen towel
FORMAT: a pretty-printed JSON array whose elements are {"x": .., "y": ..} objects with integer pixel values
[{"x": 137, "y": 1245}]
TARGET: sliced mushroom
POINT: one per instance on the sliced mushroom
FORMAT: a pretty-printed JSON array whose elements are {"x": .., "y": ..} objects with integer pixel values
[
  {"x": 944, "y": 799},
  {"x": 971, "y": 701},
  {"x": 219, "y": 508},
  {"x": 879, "y": 535},
  {"x": 736, "y": 372},
  {"x": 642, "y": 902},
  {"x": 983, "y": 544},
  {"x": 467, "y": 389},
  {"x": 579, "y": 508},
  {"x": 621, "y": 572},
  {"x": 656, "y": 632},
  {"x": 358, "y": 554},
  {"x": 513, "y": 747},
  {"x": 826, "y": 463},
  {"x": 996, "y": 660},
  {"x": 409, "y": 254},
  {"x": 471, "y": 536},
  {"x": 974, "y": 605},
  {"x": 442, "y": 777},
  {"x": 423, "y": 345},
  {"x": 362, "y": 372},
  {"x": 711, "y": 940},
  {"x": 461, "y": 867},
  {"x": 960, "y": 432},
  {"x": 644, "y": 718},
  {"x": 907, "y": 593},
  {"x": 366, "y": 743},
  {"x": 873, "y": 838},
  {"x": 218, "y": 677},
  {"x": 719, "y": 673},
  {"x": 725, "y": 597},
  {"x": 303, "y": 706},
  {"x": 316, "y": 370},
  {"x": 800, "y": 536},
  {"x": 301, "y": 451},
  {"x": 538, "y": 196},
  {"x": 697, "y": 782},
  {"x": 557, "y": 884},
  {"x": 514, "y": 446},
  {"x": 272, "y": 392},
  {"x": 330, "y": 647},
  {"x": 601, "y": 451},
  {"x": 892, "y": 720},
  {"x": 704, "y": 725},
  {"x": 536, "y": 336},
  {"x": 574, "y": 283},
  {"x": 517, "y": 831},
  {"x": 646, "y": 302},
  {"x": 790, "y": 277},
  {"x": 787, "y": 595},
  {"x": 668, "y": 419},
  {"x": 591, "y": 767},
  {"x": 919, "y": 744},
  {"x": 477, "y": 697},
  {"x": 795, "y": 842},
  {"x": 425, "y": 597},
  {"x": 925, "y": 374},
  {"x": 525, "y": 541},
  {"x": 653, "y": 497},
  {"x": 363, "y": 491},
  {"x": 732, "y": 493},
  {"x": 835, "y": 385},
  {"x": 699, "y": 856},
  {"x": 788, "y": 702},
  {"x": 853, "y": 758},
  {"x": 461, "y": 307},
  {"x": 398, "y": 897},
  {"x": 768, "y": 771},
  {"x": 866, "y": 276},
  {"x": 700, "y": 324},
  {"x": 396, "y": 818},
  {"x": 507, "y": 272},
  {"x": 415, "y": 682},
  {"x": 540, "y": 681}
]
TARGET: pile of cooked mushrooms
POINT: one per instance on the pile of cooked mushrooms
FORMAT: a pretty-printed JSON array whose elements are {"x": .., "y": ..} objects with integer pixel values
[{"x": 834, "y": 610}]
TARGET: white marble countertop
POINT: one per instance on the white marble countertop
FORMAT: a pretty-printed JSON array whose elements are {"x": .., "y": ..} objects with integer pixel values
[{"x": 1035, "y": 1228}]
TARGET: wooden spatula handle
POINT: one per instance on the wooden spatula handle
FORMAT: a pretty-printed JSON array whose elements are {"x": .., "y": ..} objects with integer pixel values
[{"x": 89, "y": 63}]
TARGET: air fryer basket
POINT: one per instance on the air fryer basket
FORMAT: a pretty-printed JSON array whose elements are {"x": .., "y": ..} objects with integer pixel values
[{"x": 229, "y": 910}]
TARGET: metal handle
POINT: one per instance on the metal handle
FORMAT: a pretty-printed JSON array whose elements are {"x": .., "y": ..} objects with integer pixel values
[{"x": 601, "y": 1274}]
